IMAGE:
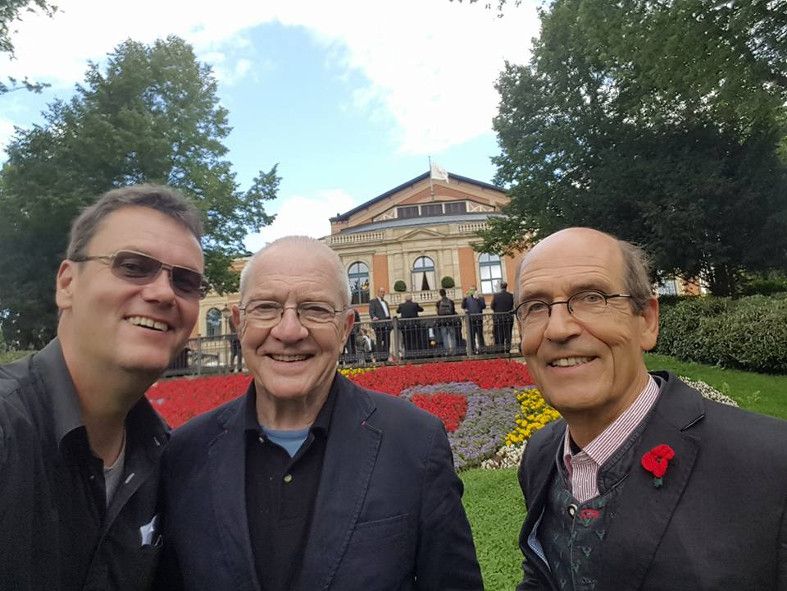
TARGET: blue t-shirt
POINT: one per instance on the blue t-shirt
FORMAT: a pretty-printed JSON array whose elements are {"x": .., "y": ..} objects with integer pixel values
[{"x": 291, "y": 441}]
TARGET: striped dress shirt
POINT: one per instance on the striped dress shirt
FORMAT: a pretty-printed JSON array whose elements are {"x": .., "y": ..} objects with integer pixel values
[{"x": 582, "y": 467}]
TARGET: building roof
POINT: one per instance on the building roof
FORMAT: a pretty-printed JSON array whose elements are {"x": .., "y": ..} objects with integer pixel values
[{"x": 343, "y": 217}]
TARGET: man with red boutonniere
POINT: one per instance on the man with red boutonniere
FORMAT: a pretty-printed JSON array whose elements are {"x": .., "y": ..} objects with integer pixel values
[{"x": 643, "y": 484}]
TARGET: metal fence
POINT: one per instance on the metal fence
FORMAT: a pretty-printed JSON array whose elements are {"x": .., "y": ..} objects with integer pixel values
[
  {"x": 376, "y": 342},
  {"x": 208, "y": 355}
]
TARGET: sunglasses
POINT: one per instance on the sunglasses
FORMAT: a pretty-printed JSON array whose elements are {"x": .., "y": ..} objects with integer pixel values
[{"x": 142, "y": 269}]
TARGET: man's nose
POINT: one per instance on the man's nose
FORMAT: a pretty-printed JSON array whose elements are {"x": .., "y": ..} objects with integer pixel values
[
  {"x": 160, "y": 289},
  {"x": 561, "y": 324},
  {"x": 289, "y": 327}
]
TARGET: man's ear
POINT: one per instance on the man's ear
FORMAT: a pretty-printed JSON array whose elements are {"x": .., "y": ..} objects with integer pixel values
[
  {"x": 650, "y": 324},
  {"x": 64, "y": 284},
  {"x": 349, "y": 320}
]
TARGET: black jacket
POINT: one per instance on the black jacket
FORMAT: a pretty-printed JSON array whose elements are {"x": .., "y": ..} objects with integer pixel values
[
  {"x": 388, "y": 512},
  {"x": 409, "y": 309},
  {"x": 502, "y": 301},
  {"x": 58, "y": 533}
]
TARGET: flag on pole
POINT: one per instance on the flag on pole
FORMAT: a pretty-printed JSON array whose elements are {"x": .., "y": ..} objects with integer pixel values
[{"x": 437, "y": 172}]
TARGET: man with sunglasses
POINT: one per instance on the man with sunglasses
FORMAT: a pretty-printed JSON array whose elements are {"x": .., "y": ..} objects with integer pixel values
[
  {"x": 310, "y": 481},
  {"x": 81, "y": 445},
  {"x": 644, "y": 484}
]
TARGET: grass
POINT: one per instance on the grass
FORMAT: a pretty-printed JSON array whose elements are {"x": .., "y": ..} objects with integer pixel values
[
  {"x": 496, "y": 511},
  {"x": 762, "y": 393}
]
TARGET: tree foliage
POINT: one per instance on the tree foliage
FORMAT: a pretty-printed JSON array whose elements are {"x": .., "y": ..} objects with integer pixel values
[
  {"x": 660, "y": 121},
  {"x": 10, "y": 12},
  {"x": 152, "y": 115}
]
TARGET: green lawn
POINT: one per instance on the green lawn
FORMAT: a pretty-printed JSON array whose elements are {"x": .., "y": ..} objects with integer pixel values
[
  {"x": 494, "y": 502},
  {"x": 496, "y": 510},
  {"x": 763, "y": 393}
]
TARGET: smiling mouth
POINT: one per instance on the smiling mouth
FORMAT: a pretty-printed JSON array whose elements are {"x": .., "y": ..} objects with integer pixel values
[
  {"x": 570, "y": 361},
  {"x": 148, "y": 323},
  {"x": 289, "y": 358}
]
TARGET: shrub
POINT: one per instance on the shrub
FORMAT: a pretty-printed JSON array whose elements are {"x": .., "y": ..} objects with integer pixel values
[
  {"x": 766, "y": 284},
  {"x": 748, "y": 333},
  {"x": 400, "y": 285},
  {"x": 447, "y": 282}
]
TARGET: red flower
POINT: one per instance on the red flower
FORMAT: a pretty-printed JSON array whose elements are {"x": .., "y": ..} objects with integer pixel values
[
  {"x": 589, "y": 514},
  {"x": 449, "y": 408},
  {"x": 656, "y": 461}
]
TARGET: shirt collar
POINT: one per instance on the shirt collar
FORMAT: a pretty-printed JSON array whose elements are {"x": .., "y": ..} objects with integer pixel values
[
  {"x": 610, "y": 439},
  {"x": 49, "y": 365},
  {"x": 321, "y": 423}
]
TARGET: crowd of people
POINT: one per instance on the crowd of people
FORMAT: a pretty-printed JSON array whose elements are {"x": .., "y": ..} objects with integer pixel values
[{"x": 309, "y": 481}]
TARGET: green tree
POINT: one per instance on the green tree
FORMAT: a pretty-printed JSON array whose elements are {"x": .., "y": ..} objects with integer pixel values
[
  {"x": 662, "y": 122},
  {"x": 10, "y": 11},
  {"x": 152, "y": 115}
]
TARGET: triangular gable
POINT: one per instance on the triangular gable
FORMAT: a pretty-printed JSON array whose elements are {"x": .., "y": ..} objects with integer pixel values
[
  {"x": 420, "y": 233},
  {"x": 480, "y": 197}
]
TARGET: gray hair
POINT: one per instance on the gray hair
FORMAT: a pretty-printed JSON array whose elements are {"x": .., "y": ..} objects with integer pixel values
[
  {"x": 312, "y": 243},
  {"x": 636, "y": 274},
  {"x": 161, "y": 198}
]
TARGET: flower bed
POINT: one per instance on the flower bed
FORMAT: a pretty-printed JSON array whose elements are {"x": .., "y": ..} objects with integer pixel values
[{"x": 483, "y": 404}]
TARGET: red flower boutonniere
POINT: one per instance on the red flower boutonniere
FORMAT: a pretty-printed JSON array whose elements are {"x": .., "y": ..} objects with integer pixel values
[{"x": 656, "y": 461}]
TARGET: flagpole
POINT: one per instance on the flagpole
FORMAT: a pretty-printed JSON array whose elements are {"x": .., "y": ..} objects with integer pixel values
[{"x": 431, "y": 183}]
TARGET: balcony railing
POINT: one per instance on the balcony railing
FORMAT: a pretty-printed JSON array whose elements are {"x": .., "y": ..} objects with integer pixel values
[
  {"x": 379, "y": 342},
  {"x": 428, "y": 296},
  {"x": 359, "y": 238}
]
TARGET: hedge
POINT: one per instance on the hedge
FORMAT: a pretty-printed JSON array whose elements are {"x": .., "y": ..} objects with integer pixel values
[{"x": 748, "y": 333}]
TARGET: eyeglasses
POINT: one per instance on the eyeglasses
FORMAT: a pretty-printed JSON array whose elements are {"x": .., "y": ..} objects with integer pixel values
[
  {"x": 264, "y": 314},
  {"x": 142, "y": 269},
  {"x": 585, "y": 306}
]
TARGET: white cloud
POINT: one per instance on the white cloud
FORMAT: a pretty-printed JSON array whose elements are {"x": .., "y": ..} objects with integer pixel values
[
  {"x": 303, "y": 215},
  {"x": 430, "y": 64}
]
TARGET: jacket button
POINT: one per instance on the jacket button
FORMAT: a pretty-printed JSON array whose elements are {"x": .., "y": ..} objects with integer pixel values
[{"x": 288, "y": 478}]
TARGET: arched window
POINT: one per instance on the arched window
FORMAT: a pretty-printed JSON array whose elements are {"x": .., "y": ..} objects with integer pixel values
[
  {"x": 491, "y": 271},
  {"x": 213, "y": 322},
  {"x": 422, "y": 274},
  {"x": 358, "y": 276}
]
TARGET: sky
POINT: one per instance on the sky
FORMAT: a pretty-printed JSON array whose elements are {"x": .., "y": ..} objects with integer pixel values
[{"x": 349, "y": 97}]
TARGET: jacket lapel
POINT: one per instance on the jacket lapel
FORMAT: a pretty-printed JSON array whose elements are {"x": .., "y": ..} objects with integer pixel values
[
  {"x": 644, "y": 511},
  {"x": 227, "y": 459},
  {"x": 349, "y": 461},
  {"x": 536, "y": 487}
]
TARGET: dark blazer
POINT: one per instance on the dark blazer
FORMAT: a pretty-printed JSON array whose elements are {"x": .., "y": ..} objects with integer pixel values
[
  {"x": 718, "y": 522},
  {"x": 388, "y": 514},
  {"x": 502, "y": 301},
  {"x": 409, "y": 309},
  {"x": 377, "y": 311}
]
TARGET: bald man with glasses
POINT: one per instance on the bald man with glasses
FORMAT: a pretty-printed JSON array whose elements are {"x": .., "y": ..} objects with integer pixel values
[
  {"x": 81, "y": 445},
  {"x": 643, "y": 484},
  {"x": 309, "y": 481}
]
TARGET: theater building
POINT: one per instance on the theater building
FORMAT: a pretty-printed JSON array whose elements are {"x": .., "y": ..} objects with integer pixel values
[{"x": 407, "y": 240}]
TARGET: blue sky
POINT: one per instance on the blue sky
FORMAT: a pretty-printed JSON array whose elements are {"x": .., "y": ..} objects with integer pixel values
[{"x": 350, "y": 97}]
